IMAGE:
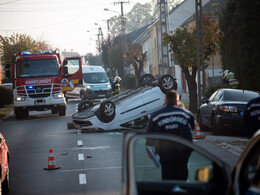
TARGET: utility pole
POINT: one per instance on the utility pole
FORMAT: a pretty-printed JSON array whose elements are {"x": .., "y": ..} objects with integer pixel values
[
  {"x": 123, "y": 22},
  {"x": 164, "y": 65},
  {"x": 200, "y": 48}
]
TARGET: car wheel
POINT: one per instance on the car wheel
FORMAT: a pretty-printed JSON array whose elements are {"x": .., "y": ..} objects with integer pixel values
[
  {"x": 146, "y": 79},
  {"x": 84, "y": 105},
  {"x": 167, "y": 82},
  {"x": 82, "y": 96},
  {"x": 215, "y": 130},
  {"x": 5, "y": 183},
  {"x": 202, "y": 126},
  {"x": 62, "y": 111},
  {"x": 107, "y": 111}
]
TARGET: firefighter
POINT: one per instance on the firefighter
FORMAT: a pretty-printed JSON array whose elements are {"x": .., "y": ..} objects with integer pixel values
[
  {"x": 116, "y": 86},
  {"x": 233, "y": 83}
]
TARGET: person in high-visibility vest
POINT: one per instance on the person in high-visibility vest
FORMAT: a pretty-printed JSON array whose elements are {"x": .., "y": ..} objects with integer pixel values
[{"x": 116, "y": 86}]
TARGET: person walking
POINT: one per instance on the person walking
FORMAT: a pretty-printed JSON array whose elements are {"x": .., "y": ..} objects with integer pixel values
[
  {"x": 116, "y": 86},
  {"x": 251, "y": 116},
  {"x": 176, "y": 120}
]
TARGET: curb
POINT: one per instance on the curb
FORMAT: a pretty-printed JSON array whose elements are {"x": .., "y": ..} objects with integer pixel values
[{"x": 6, "y": 117}]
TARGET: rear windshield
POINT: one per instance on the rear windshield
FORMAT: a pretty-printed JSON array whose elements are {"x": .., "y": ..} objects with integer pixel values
[
  {"x": 95, "y": 77},
  {"x": 244, "y": 96}
]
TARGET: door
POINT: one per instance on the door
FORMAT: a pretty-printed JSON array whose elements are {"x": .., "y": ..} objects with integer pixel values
[
  {"x": 71, "y": 73},
  {"x": 247, "y": 170},
  {"x": 167, "y": 164}
]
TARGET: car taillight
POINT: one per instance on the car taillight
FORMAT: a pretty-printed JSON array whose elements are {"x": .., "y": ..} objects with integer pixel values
[{"x": 228, "y": 108}]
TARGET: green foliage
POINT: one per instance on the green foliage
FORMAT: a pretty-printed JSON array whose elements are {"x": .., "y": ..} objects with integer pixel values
[
  {"x": 129, "y": 81},
  {"x": 211, "y": 89},
  {"x": 6, "y": 96},
  {"x": 240, "y": 46}
]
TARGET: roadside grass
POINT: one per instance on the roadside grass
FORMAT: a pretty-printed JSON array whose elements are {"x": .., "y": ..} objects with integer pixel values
[{"x": 6, "y": 110}]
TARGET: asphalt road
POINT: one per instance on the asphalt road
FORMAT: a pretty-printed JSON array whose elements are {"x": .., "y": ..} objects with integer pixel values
[{"x": 90, "y": 163}]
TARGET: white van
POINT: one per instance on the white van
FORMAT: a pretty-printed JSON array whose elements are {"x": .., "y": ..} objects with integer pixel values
[{"x": 96, "y": 84}]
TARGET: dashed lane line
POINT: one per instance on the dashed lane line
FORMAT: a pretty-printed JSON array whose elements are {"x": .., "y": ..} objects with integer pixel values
[
  {"x": 82, "y": 179},
  {"x": 81, "y": 156}
]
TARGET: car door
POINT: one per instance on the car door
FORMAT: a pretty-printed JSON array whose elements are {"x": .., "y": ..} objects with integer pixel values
[
  {"x": 142, "y": 175},
  {"x": 246, "y": 174},
  {"x": 208, "y": 108},
  {"x": 71, "y": 73}
]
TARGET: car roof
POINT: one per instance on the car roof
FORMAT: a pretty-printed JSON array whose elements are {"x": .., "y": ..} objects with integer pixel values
[{"x": 92, "y": 68}]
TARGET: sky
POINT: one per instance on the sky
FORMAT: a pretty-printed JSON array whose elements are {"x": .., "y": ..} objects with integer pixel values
[{"x": 70, "y": 25}]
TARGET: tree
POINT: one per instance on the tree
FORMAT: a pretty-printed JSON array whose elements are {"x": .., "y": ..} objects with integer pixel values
[
  {"x": 13, "y": 44},
  {"x": 139, "y": 16},
  {"x": 183, "y": 48},
  {"x": 240, "y": 45},
  {"x": 136, "y": 58}
]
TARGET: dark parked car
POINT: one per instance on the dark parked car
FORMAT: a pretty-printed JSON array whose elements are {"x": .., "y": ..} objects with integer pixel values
[{"x": 224, "y": 109}]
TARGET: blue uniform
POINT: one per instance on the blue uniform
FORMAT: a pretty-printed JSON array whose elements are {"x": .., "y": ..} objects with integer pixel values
[
  {"x": 251, "y": 116},
  {"x": 174, "y": 120},
  {"x": 173, "y": 157}
]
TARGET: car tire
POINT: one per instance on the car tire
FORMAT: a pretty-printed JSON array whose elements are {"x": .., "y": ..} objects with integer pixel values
[
  {"x": 202, "y": 126},
  {"x": 82, "y": 95},
  {"x": 167, "y": 82},
  {"x": 107, "y": 111},
  {"x": 84, "y": 105},
  {"x": 62, "y": 111},
  {"x": 5, "y": 183},
  {"x": 215, "y": 130},
  {"x": 146, "y": 79}
]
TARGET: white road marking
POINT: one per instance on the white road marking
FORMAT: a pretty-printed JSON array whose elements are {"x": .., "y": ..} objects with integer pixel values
[
  {"x": 89, "y": 169},
  {"x": 80, "y": 143},
  {"x": 78, "y": 132},
  {"x": 91, "y": 148},
  {"x": 82, "y": 179},
  {"x": 81, "y": 156}
]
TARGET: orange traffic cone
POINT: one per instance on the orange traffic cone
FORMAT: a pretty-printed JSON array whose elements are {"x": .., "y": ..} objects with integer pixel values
[
  {"x": 198, "y": 134},
  {"x": 51, "y": 161}
]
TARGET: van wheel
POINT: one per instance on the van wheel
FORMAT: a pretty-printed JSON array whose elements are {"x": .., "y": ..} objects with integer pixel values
[
  {"x": 84, "y": 105},
  {"x": 146, "y": 79},
  {"x": 167, "y": 82},
  {"x": 107, "y": 111}
]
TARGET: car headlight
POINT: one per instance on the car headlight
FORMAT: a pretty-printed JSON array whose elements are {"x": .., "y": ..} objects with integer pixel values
[
  {"x": 58, "y": 95},
  {"x": 88, "y": 87},
  {"x": 19, "y": 99},
  {"x": 109, "y": 86}
]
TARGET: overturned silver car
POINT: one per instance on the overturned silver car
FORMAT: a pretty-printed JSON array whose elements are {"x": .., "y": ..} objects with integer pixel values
[{"x": 121, "y": 111}]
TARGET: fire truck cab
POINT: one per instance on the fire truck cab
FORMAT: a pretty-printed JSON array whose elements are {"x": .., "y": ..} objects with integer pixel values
[{"x": 40, "y": 81}]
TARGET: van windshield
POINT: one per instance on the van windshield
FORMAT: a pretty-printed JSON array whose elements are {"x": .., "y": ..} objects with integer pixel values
[{"x": 95, "y": 77}]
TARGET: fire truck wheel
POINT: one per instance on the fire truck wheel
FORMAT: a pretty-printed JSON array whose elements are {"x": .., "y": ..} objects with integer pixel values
[
  {"x": 21, "y": 113},
  {"x": 62, "y": 111}
]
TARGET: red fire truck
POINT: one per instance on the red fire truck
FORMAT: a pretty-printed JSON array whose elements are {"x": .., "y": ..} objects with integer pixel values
[{"x": 40, "y": 81}]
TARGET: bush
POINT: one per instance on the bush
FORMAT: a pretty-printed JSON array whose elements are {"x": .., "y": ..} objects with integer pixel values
[
  {"x": 129, "y": 81},
  {"x": 211, "y": 89},
  {"x": 6, "y": 96}
]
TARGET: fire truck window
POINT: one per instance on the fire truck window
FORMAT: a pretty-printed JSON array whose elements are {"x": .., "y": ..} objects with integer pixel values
[
  {"x": 73, "y": 66},
  {"x": 37, "y": 68}
]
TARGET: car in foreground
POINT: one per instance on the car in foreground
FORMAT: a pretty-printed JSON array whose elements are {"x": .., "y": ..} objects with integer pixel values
[
  {"x": 223, "y": 111},
  {"x": 120, "y": 111},
  {"x": 4, "y": 159},
  {"x": 207, "y": 174}
]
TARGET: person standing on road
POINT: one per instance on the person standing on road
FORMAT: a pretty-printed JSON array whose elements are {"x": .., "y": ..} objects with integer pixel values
[
  {"x": 251, "y": 116},
  {"x": 175, "y": 120},
  {"x": 116, "y": 86}
]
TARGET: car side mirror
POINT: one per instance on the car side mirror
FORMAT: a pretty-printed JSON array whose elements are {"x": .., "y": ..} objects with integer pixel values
[
  {"x": 7, "y": 73},
  {"x": 204, "y": 100},
  {"x": 7, "y": 66},
  {"x": 65, "y": 70},
  {"x": 65, "y": 62}
]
